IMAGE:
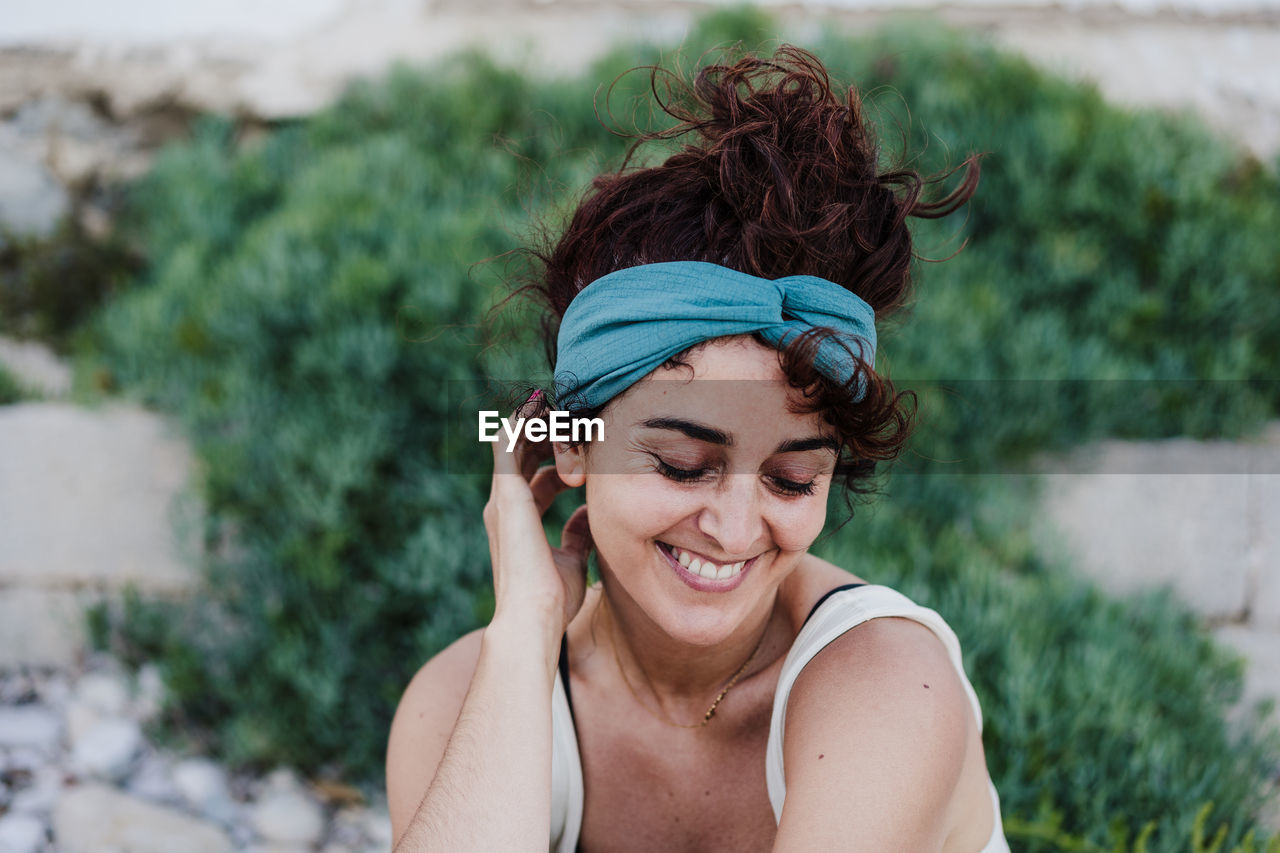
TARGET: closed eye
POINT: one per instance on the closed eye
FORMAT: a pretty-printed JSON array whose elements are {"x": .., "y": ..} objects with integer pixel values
[
  {"x": 791, "y": 487},
  {"x": 680, "y": 475},
  {"x": 688, "y": 475}
]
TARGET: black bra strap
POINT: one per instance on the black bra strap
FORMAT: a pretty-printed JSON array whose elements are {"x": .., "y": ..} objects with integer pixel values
[
  {"x": 827, "y": 595},
  {"x": 564, "y": 673}
]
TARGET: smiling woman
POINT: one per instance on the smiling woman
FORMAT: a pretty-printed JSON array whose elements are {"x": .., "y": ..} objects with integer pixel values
[{"x": 720, "y": 688}]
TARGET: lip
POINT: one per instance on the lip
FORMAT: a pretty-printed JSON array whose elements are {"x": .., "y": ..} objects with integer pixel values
[{"x": 702, "y": 584}]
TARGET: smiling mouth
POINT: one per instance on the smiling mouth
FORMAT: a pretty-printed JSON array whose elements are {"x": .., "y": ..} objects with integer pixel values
[{"x": 702, "y": 567}]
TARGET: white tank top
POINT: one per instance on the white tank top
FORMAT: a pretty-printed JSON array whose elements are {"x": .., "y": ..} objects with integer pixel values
[{"x": 834, "y": 614}]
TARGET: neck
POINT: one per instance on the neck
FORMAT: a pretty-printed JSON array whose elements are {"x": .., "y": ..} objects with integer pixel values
[{"x": 680, "y": 678}]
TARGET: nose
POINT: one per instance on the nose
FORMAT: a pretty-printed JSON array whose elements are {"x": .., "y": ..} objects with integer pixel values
[{"x": 732, "y": 516}]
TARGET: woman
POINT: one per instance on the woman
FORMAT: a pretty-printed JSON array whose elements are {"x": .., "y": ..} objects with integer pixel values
[{"x": 720, "y": 688}]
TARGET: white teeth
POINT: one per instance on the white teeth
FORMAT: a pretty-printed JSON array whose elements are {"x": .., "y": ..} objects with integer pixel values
[{"x": 706, "y": 569}]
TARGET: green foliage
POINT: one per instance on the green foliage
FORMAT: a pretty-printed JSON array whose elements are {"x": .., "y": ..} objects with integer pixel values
[
  {"x": 1050, "y": 831},
  {"x": 11, "y": 391},
  {"x": 1120, "y": 271},
  {"x": 1093, "y": 707},
  {"x": 309, "y": 296},
  {"x": 308, "y": 299},
  {"x": 49, "y": 285}
]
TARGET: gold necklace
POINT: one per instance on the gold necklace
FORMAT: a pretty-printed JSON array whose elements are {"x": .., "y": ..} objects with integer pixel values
[{"x": 711, "y": 712}]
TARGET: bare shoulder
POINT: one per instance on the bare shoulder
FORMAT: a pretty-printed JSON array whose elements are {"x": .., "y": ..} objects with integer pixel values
[
  {"x": 811, "y": 580},
  {"x": 879, "y": 719},
  {"x": 423, "y": 722}
]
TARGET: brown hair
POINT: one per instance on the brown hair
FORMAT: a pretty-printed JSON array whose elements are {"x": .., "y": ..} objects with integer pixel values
[{"x": 778, "y": 176}]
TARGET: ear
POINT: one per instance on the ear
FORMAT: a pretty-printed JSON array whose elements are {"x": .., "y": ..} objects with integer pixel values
[{"x": 571, "y": 463}]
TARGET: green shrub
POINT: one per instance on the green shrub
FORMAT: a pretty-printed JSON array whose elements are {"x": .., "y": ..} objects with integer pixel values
[
  {"x": 49, "y": 285},
  {"x": 1122, "y": 840},
  {"x": 308, "y": 297},
  {"x": 11, "y": 391},
  {"x": 1120, "y": 273},
  {"x": 1094, "y": 708}
]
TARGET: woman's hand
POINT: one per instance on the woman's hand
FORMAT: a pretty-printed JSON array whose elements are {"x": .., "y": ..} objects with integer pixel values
[{"x": 529, "y": 576}]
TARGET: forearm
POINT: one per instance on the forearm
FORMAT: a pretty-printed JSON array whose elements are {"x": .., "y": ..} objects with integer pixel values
[{"x": 492, "y": 790}]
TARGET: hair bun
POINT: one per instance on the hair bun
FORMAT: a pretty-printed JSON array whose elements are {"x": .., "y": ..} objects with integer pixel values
[{"x": 778, "y": 175}]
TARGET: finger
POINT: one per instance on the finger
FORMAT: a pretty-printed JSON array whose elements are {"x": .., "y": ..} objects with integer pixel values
[
  {"x": 532, "y": 455},
  {"x": 523, "y": 458},
  {"x": 576, "y": 537},
  {"x": 545, "y": 485},
  {"x": 504, "y": 461}
]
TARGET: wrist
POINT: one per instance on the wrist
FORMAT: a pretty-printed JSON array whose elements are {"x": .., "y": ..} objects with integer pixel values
[{"x": 531, "y": 633}]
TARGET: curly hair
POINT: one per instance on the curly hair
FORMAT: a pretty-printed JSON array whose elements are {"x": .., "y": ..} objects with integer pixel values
[{"x": 777, "y": 175}]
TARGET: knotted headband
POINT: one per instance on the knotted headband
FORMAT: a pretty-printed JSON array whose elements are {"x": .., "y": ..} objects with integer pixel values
[{"x": 625, "y": 324}]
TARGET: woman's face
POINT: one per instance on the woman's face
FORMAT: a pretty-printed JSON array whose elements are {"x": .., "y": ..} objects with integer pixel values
[{"x": 711, "y": 468}]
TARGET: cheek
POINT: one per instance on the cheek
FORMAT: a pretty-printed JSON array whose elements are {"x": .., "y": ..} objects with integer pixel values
[
  {"x": 796, "y": 524},
  {"x": 630, "y": 507}
]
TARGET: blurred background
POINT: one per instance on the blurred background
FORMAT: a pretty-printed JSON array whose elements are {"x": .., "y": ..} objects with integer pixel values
[{"x": 245, "y": 249}]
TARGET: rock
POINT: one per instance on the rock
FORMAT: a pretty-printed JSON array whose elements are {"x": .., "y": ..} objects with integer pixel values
[
  {"x": 31, "y": 201},
  {"x": 71, "y": 139},
  {"x": 1261, "y": 648},
  {"x": 203, "y": 786},
  {"x": 281, "y": 779},
  {"x": 21, "y": 834},
  {"x": 104, "y": 692},
  {"x": 1146, "y": 514},
  {"x": 25, "y": 758},
  {"x": 17, "y": 688},
  {"x": 346, "y": 829},
  {"x": 112, "y": 475},
  {"x": 80, "y": 717},
  {"x": 359, "y": 828},
  {"x": 95, "y": 818},
  {"x": 115, "y": 476},
  {"x": 49, "y": 115},
  {"x": 108, "y": 749},
  {"x": 39, "y": 796},
  {"x": 241, "y": 835},
  {"x": 148, "y": 700},
  {"x": 1264, "y": 607},
  {"x": 153, "y": 780},
  {"x": 36, "y": 367},
  {"x": 1269, "y": 814},
  {"x": 38, "y": 626},
  {"x": 288, "y": 817},
  {"x": 377, "y": 826},
  {"x": 29, "y": 726},
  {"x": 54, "y": 690}
]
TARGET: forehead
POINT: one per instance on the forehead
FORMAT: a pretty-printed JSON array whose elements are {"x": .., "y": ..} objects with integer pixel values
[
  {"x": 739, "y": 358},
  {"x": 734, "y": 383}
]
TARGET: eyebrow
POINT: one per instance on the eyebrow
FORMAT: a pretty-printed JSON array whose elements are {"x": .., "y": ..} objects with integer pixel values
[{"x": 711, "y": 435}]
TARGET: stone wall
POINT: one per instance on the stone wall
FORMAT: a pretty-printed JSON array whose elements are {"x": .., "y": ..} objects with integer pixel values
[
  {"x": 88, "y": 90},
  {"x": 91, "y": 502},
  {"x": 1201, "y": 517}
]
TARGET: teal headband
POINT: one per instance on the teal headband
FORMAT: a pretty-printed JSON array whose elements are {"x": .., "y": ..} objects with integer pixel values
[{"x": 624, "y": 325}]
